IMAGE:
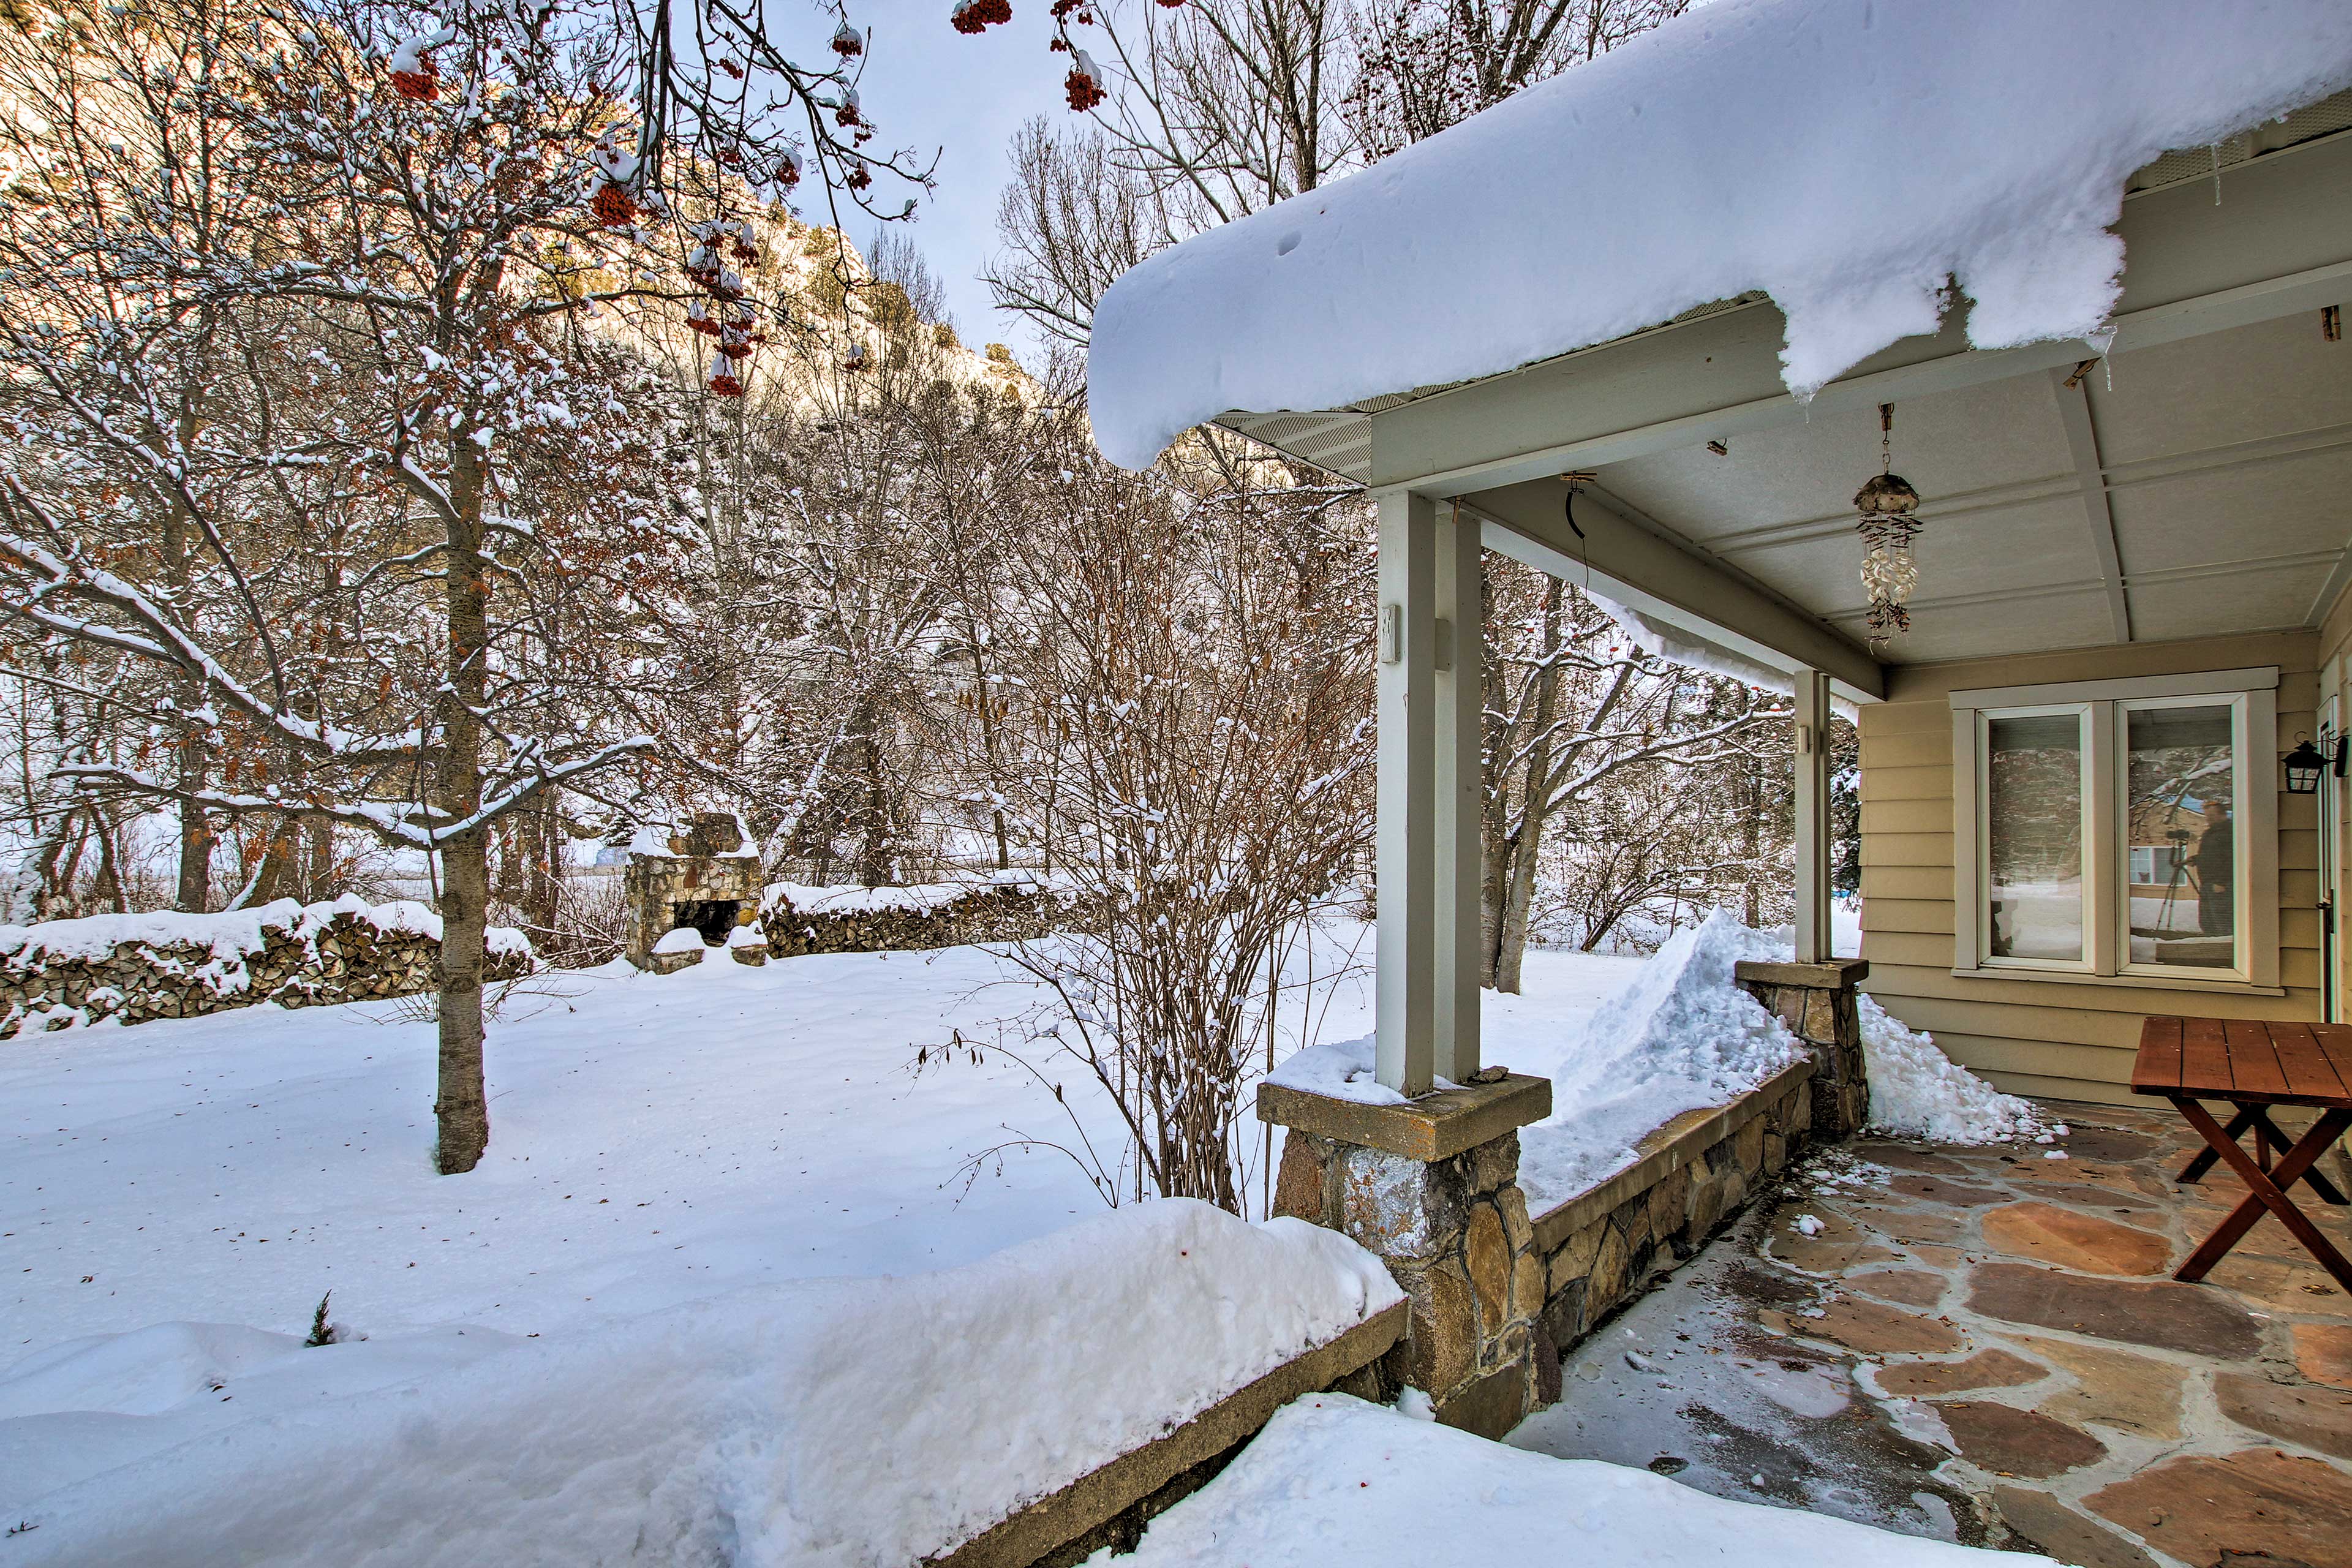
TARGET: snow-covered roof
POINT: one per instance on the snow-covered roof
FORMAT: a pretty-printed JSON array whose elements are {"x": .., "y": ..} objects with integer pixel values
[{"x": 1845, "y": 157}]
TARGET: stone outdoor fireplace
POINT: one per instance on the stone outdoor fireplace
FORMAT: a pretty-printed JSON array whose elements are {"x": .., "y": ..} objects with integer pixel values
[{"x": 705, "y": 878}]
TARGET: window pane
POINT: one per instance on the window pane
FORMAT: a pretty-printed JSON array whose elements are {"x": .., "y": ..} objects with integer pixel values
[
  {"x": 2183, "y": 784},
  {"x": 2035, "y": 821}
]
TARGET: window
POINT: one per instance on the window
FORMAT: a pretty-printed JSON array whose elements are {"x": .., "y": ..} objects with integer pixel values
[{"x": 2121, "y": 830}]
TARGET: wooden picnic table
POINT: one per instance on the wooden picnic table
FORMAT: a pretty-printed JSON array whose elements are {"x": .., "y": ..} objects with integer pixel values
[{"x": 2255, "y": 1065}]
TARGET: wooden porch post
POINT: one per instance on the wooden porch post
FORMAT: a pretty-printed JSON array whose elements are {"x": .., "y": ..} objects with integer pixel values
[
  {"x": 1460, "y": 791},
  {"x": 1813, "y": 942},
  {"x": 1406, "y": 704}
]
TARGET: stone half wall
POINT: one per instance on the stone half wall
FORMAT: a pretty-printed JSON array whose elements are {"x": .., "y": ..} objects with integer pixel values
[
  {"x": 132, "y": 968},
  {"x": 1603, "y": 1248}
]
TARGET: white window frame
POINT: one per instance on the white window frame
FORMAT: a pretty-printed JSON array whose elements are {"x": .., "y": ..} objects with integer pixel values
[{"x": 2252, "y": 696}]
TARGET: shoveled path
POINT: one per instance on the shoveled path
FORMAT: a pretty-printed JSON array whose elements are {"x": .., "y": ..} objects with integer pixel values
[{"x": 1985, "y": 1345}]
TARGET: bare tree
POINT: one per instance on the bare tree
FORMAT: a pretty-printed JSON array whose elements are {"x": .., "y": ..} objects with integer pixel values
[
  {"x": 1576, "y": 714},
  {"x": 1196, "y": 672}
]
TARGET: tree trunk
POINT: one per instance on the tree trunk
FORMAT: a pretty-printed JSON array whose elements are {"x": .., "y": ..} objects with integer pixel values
[
  {"x": 462, "y": 1108},
  {"x": 320, "y": 879},
  {"x": 1523, "y": 848},
  {"x": 197, "y": 837}
]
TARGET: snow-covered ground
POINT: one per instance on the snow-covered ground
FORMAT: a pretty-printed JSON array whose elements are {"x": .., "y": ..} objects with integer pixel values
[
  {"x": 1333, "y": 1480},
  {"x": 654, "y": 1140},
  {"x": 711, "y": 1178},
  {"x": 816, "y": 1422}
]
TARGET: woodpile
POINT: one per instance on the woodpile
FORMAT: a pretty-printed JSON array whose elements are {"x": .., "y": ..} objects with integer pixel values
[
  {"x": 132, "y": 968},
  {"x": 800, "y": 920}
]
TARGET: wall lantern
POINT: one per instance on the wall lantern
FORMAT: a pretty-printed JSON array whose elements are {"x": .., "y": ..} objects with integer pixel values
[{"x": 2305, "y": 764}]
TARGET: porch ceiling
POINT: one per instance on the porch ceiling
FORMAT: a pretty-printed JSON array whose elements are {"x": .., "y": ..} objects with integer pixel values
[{"x": 2193, "y": 488}]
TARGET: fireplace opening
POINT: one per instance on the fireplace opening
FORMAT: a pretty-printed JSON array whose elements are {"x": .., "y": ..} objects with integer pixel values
[{"x": 714, "y": 918}]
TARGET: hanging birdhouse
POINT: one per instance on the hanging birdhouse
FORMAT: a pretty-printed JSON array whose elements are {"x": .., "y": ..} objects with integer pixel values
[{"x": 1885, "y": 509}]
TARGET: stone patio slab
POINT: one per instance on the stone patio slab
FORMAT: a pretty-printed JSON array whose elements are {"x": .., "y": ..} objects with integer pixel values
[
  {"x": 2065, "y": 1534},
  {"x": 2012, "y": 1442},
  {"x": 1933, "y": 1379},
  {"x": 2167, "y": 1316},
  {"x": 2258, "y": 1500},
  {"x": 2073, "y": 1239},
  {"x": 2115, "y": 1388},
  {"x": 2323, "y": 1352},
  {"x": 2310, "y": 1417}
]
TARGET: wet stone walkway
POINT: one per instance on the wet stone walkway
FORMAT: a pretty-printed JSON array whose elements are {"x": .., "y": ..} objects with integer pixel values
[{"x": 1985, "y": 1345}]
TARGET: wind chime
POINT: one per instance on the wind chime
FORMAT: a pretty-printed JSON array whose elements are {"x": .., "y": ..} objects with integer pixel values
[{"x": 1889, "y": 571}]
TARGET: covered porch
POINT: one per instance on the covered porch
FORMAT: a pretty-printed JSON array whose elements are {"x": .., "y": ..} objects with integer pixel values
[{"x": 2157, "y": 516}]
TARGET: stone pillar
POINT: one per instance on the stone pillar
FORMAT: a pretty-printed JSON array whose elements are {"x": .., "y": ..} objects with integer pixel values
[
  {"x": 1432, "y": 1186},
  {"x": 1817, "y": 1002}
]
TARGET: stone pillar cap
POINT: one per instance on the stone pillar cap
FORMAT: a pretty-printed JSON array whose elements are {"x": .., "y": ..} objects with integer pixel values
[
  {"x": 1833, "y": 974},
  {"x": 1437, "y": 1126}
]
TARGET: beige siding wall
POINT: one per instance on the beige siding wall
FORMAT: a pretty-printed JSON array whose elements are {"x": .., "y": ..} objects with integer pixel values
[{"x": 2067, "y": 1039}]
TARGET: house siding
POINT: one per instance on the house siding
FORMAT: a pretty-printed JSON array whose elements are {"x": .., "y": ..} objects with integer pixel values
[{"x": 2064, "y": 1039}]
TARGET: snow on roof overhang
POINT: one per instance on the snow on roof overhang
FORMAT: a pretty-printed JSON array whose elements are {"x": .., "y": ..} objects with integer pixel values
[{"x": 1845, "y": 158}]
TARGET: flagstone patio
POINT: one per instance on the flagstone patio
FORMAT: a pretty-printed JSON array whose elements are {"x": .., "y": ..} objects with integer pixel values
[{"x": 1985, "y": 1344}]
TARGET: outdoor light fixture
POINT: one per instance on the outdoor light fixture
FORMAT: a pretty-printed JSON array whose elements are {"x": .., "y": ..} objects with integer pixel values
[
  {"x": 1889, "y": 571},
  {"x": 2306, "y": 762}
]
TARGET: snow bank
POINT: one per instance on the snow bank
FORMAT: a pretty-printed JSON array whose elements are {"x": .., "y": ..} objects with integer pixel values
[
  {"x": 1680, "y": 1036},
  {"x": 1677, "y": 1035},
  {"x": 1918, "y": 1091},
  {"x": 1333, "y": 1480},
  {"x": 856, "y": 1424},
  {"x": 1844, "y": 156}
]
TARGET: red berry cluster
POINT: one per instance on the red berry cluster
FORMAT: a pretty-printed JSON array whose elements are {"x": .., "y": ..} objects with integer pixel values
[{"x": 979, "y": 16}]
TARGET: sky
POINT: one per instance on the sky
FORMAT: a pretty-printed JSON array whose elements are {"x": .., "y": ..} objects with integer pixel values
[{"x": 931, "y": 87}]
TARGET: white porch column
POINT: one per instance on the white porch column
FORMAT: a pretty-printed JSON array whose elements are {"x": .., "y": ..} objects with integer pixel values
[
  {"x": 1812, "y": 846},
  {"x": 1460, "y": 791},
  {"x": 1405, "y": 703}
]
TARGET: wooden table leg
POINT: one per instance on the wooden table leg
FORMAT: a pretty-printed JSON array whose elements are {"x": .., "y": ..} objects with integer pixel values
[
  {"x": 2267, "y": 1137},
  {"x": 2310, "y": 1178},
  {"x": 2203, "y": 1161},
  {"x": 2266, "y": 1192}
]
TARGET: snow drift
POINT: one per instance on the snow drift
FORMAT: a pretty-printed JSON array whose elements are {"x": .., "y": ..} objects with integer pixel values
[
  {"x": 1333, "y": 1480},
  {"x": 866, "y": 1422},
  {"x": 1681, "y": 1035},
  {"x": 1918, "y": 1091},
  {"x": 1845, "y": 157}
]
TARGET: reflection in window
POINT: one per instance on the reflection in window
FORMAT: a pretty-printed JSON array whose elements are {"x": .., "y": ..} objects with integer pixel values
[
  {"x": 2034, "y": 836},
  {"x": 2178, "y": 814}
]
